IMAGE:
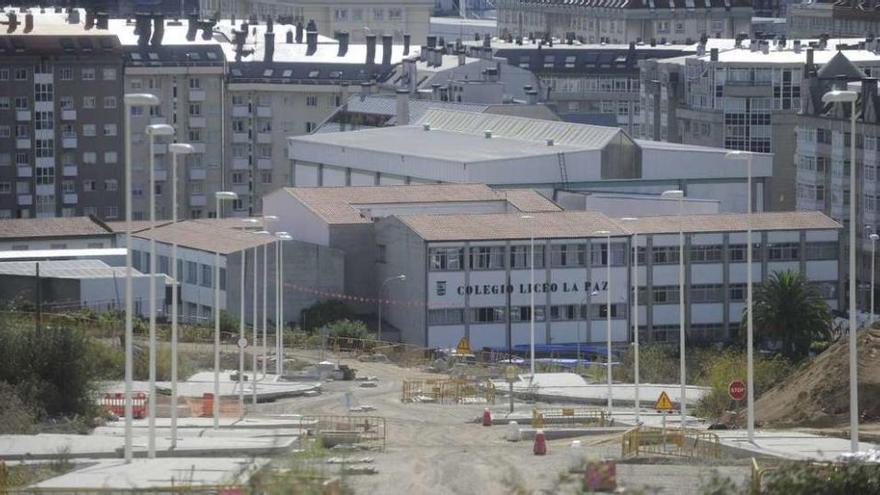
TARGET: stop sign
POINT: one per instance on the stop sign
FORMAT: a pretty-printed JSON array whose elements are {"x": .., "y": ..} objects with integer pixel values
[{"x": 737, "y": 390}]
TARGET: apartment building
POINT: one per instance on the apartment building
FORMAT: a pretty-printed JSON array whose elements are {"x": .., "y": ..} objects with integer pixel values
[
  {"x": 60, "y": 117},
  {"x": 822, "y": 158},
  {"x": 357, "y": 17},
  {"x": 284, "y": 81},
  {"x": 744, "y": 98},
  {"x": 623, "y": 21},
  {"x": 813, "y": 18}
]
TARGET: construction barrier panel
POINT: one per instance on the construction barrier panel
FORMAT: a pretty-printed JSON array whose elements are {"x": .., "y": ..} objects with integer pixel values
[
  {"x": 333, "y": 430},
  {"x": 670, "y": 442},
  {"x": 115, "y": 403},
  {"x": 569, "y": 417},
  {"x": 448, "y": 391}
]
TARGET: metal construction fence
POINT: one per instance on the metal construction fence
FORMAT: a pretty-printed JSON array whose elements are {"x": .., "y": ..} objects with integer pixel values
[
  {"x": 670, "y": 442},
  {"x": 443, "y": 391},
  {"x": 332, "y": 430},
  {"x": 569, "y": 417}
]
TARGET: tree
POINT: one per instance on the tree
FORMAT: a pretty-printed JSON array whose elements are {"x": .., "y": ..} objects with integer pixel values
[
  {"x": 324, "y": 312},
  {"x": 790, "y": 311},
  {"x": 352, "y": 329}
]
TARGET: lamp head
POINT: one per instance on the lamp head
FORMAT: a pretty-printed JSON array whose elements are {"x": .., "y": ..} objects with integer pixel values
[
  {"x": 526, "y": 217},
  {"x": 225, "y": 195},
  {"x": 874, "y": 237},
  {"x": 285, "y": 237},
  {"x": 401, "y": 277},
  {"x": 628, "y": 219},
  {"x": 252, "y": 221},
  {"x": 270, "y": 218},
  {"x": 673, "y": 194},
  {"x": 140, "y": 99},
  {"x": 180, "y": 148},
  {"x": 603, "y": 233},
  {"x": 738, "y": 155},
  {"x": 839, "y": 96},
  {"x": 159, "y": 130}
]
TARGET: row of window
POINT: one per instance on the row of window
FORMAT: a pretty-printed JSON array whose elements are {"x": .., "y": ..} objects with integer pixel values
[
  {"x": 189, "y": 272},
  {"x": 64, "y": 73},
  {"x": 498, "y": 314},
  {"x": 64, "y": 102},
  {"x": 574, "y": 255}
]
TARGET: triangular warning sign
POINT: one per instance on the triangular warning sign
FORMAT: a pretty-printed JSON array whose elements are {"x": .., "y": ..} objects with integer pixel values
[
  {"x": 663, "y": 403},
  {"x": 463, "y": 346}
]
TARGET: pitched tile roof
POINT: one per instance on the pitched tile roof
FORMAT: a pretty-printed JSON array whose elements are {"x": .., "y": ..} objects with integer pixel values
[
  {"x": 733, "y": 222},
  {"x": 21, "y": 228},
  {"x": 338, "y": 205},
  {"x": 204, "y": 236}
]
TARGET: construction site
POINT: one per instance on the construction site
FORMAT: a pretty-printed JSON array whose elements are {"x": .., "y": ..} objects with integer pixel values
[{"x": 352, "y": 416}]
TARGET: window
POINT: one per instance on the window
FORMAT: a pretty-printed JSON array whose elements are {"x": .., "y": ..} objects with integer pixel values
[
  {"x": 207, "y": 276},
  {"x": 238, "y": 178},
  {"x": 90, "y": 157},
  {"x": 195, "y": 135},
  {"x": 524, "y": 313},
  {"x": 487, "y": 315},
  {"x": 192, "y": 272},
  {"x": 45, "y": 175},
  {"x": 43, "y": 92},
  {"x": 520, "y": 257},
  {"x": 5, "y": 131},
  {"x": 341, "y": 15},
  {"x": 707, "y": 293},
  {"x": 21, "y": 103},
  {"x": 5, "y": 187},
  {"x": 88, "y": 185},
  {"x": 4, "y": 102},
  {"x": 737, "y": 253},
  {"x": 395, "y": 14},
  {"x": 22, "y": 131},
  {"x": 195, "y": 109},
  {"x": 195, "y": 83},
  {"x": 5, "y": 159},
  {"x": 22, "y": 188},
  {"x": 446, "y": 316},
  {"x": 487, "y": 258},
  {"x": 705, "y": 254},
  {"x": 599, "y": 254},
  {"x": 665, "y": 294},
  {"x": 111, "y": 185},
  {"x": 22, "y": 158},
  {"x": 109, "y": 74},
  {"x": 111, "y": 157},
  {"x": 136, "y": 84},
  {"x": 43, "y": 121},
  {"x": 665, "y": 255},
  {"x": 87, "y": 74},
  {"x": 89, "y": 130},
  {"x": 4, "y": 74},
  {"x": 266, "y": 176},
  {"x": 567, "y": 255},
  {"x": 311, "y": 101},
  {"x": 89, "y": 102},
  {"x": 21, "y": 74},
  {"x": 109, "y": 102},
  {"x": 443, "y": 259},
  {"x": 566, "y": 312},
  {"x": 787, "y": 251},
  {"x": 111, "y": 212},
  {"x": 821, "y": 251},
  {"x": 68, "y": 187},
  {"x": 45, "y": 148},
  {"x": 310, "y": 126},
  {"x": 378, "y": 14}
]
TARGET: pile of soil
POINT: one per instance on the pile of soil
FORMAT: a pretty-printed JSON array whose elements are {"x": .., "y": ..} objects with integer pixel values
[{"x": 817, "y": 394}]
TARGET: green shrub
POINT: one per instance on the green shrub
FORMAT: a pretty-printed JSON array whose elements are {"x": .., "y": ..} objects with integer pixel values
[
  {"x": 719, "y": 368},
  {"x": 657, "y": 364},
  {"x": 325, "y": 312},
  {"x": 163, "y": 363},
  {"x": 804, "y": 479},
  {"x": 16, "y": 417},
  {"x": 348, "y": 328}
]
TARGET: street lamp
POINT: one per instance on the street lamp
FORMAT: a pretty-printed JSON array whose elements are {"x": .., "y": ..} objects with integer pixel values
[
  {"x": 873, "y": 238},
  {"x": 153, "y": 131},
  {"x": 750, "y": 332},
  {"x": 219, "y": 196},
  {"x": 401, "y": 278},
  {"x": 607, "y": 235},
  {"x": 254, "y": 221},
  {"x": 635, "y": 314},
  {"x": 279, "y": 325},
  {"x": 176, "y": 149},
  {"x": 531, "y": 297},
  {"x": 679, "y": 195},
  {"x": 265, "y": 301},
  {"x": 130, "y": 101},
  {"x": 843, "y": 96}
]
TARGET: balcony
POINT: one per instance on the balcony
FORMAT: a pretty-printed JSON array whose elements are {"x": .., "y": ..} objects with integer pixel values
[
  {"x": 198, "y": 200},
  {"x": 23, "y": 115},
  {"x": 70, "y": 171},
  {"x": 197, "y": 174},
  {"x": 264, "y": 137},
  {"x": 68, "y": 115},
  {"x": 22, "y": 144},
  {"x": 68, "y": 143},
  {"x": 264, "y": 111},
  {"x": 198, "y": 147},
  {"x": 240, "y": 137},
  {"x": 42, "y": 78},
  {"x": 24, "y": 171},
  {"x": 197, "y": 95},
  {"x": 240, "y": 164},
  {"x": 241, "y": 111},
  {"x": 45, "y": 162},
  {"x": 70, "y": 198},
  {"x": 264, "y": 163},
  {"x": 197, "y": 122},
  {"x": 25, "y": 200}
]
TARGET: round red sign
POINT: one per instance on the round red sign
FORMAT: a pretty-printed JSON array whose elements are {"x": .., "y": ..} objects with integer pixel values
[{"x": 737, "y": 390}]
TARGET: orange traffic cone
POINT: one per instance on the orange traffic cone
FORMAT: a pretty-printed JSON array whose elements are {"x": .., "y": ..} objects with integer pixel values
[
  {"x": 540, "y": 447},
  {"x": 487, "y": 417}
]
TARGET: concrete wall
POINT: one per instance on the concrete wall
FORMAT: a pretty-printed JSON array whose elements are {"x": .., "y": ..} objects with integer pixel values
[
  {"x": 405, "y": 254},
  {"x": 358, "y": 242},
  {"x": 79, "y": 242}
]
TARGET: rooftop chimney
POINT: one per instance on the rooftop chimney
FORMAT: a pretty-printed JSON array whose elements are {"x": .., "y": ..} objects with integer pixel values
[
  {"x": 342, "y": 36},
  {"x": 797, "y": 46},
  {"x": 365, "y": 89},
  {"x": 431, "y": 41},
  {"x": 269, "y": 46},
  {"x": 312, "y": 26},
  {"x": 142, "y": 29},
  {"x": 371, "y": 49},
  {"x": 462, "y": 58},
  {"x": 299, "y": 32},
  {"x": 487, "y": 134},
  {"x": 869, "y": 100},
  {"x": 406, "y": 39},
  {"x": 435, "y": 91},
  {"x": 387, "y": 39},
  {"x": 532, "y": 97},
  {"x": 311, "y": 42},
  {"x": 73, "y": 16},
  {"x": 809, "y": 65},
  {"x": 158, "y": 29},
  {"x": 90, "y": 19},
  {"x": 29, "y": 22},
  {"x": 191, "y": 27},
  {"x": 402, "y": 107},
  {"x": 487, "y": 41},
  {"x": 765, "y": 47},
  {"x": 288, "y": 37},
  {"x": 713, "y": 54}
]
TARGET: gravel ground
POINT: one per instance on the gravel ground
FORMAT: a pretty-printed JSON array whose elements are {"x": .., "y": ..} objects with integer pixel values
[{"x": 437, "y": 449}]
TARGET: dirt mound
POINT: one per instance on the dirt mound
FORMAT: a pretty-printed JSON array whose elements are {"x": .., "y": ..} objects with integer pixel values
[{"x": 818, "y": 394}]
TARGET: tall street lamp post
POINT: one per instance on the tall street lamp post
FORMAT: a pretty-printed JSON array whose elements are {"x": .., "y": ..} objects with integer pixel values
[
  {"x": 607, "y": 235},
  {"x": 401, "y": 278},
  {"x": 220, "y": 196},
  {"x": 874, "y": 238},
  {"x": 265, "y": 299},
  {"x": 176, "y": 149},
  {"x": 153, "y": 131},
  {"x": 635, "y": 315},
  {"x": 844, "y": 96},
  {"x": 130, "y": 101},
  {"x": 750, "y": 332},
  {"x": 679, "y": 195},
  {"x": 282, "y": 238},
  {"x": 531, "y": 297}
]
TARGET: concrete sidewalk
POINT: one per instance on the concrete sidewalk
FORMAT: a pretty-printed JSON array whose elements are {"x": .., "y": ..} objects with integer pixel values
[
  {"x": 201, "y": 383},
  {"x": 787, "y": 444},
  {"x": 154, "y": 474}
]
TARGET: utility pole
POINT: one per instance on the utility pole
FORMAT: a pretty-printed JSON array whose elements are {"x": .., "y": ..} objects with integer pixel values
[{"x": 38, "y": 304}]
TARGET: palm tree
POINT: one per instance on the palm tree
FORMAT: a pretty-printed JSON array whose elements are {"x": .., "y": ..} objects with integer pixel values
[{"x": 789, "y": 310}]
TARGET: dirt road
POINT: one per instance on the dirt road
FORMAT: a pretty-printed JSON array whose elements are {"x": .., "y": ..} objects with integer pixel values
[{"x": 438, "y": 449}]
